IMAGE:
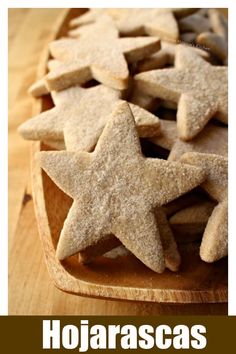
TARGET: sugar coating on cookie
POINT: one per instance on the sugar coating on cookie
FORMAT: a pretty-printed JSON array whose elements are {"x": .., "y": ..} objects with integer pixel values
[
  {"x": 80, "y": 115},
  {"x": 199, "y": 88},
  {"x": 97, "y": 53},
  {"x": 115, "y": 190}
]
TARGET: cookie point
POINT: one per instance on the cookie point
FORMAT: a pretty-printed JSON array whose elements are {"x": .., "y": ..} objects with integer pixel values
[
  {"x": 159, "y": 267},
  {"x": 206, "y": 256},
  {"x": 21, "y": 130},
  {"x": 121, "y": 108},
  {"x": 59, "y": 254}
]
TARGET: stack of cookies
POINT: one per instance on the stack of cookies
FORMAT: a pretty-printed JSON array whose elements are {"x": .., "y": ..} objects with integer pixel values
[{"x": 139, "y": 125}]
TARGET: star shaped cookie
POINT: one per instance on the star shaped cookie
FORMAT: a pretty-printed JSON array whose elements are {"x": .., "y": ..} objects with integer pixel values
[
  {"x": 80, "y": 115},
  {"x": 199, "y": 88},
  {"x": 115, "y": 190},
  {"x": 93, "y": 15},
  {"x": 215, "y": 238},
  {"x": 138, "y": 22},
  {"x": 98, "y": 53}
]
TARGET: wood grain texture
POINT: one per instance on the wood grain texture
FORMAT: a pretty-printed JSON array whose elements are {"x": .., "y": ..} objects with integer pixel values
[
  {"x": 30, "y": 289},
  {"x": 29, "y": 30}
]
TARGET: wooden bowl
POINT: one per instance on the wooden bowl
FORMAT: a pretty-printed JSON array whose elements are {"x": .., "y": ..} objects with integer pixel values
[{"x": 124, "y": 277}]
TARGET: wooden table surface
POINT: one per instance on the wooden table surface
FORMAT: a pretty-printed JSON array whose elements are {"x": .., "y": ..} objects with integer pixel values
[{"x": 31, "y": 291}]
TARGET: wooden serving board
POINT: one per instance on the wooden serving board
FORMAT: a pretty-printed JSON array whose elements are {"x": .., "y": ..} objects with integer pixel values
[{"x": 126, "y": 277}]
